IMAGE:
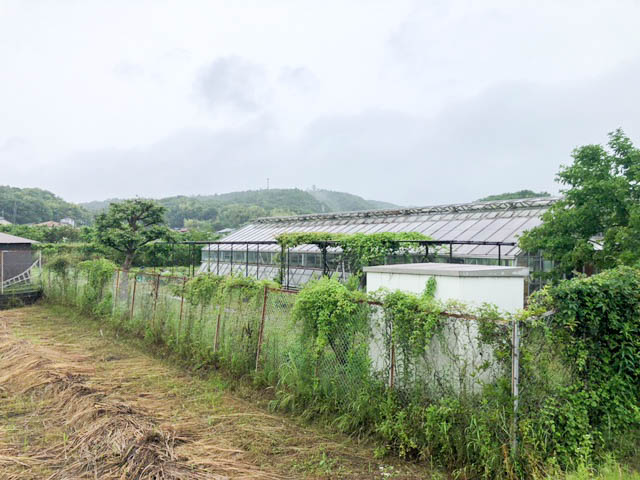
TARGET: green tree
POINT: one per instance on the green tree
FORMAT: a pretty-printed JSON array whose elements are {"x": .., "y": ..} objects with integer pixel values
[
  {"x": 597, "y": 222},
  {"x": 129, "y": 225}
]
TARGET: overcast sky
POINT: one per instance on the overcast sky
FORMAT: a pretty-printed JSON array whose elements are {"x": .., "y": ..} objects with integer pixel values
[{"x": 412, "y": 102}]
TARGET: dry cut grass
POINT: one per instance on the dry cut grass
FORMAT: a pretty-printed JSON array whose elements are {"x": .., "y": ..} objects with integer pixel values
[
  {"x": 100, "y": 436},
  {"x": 76, "y": 401}
]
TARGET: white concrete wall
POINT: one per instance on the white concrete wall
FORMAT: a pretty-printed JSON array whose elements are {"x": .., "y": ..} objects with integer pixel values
[
  {"x": 507, "y": 293},
  {"x": 455, "y": 360}
]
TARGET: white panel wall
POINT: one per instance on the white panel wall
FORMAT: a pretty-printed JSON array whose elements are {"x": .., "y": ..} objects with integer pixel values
[{"x": 507, "y": 293}]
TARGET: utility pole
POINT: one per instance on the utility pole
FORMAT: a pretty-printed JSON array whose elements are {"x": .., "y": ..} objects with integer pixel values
[{"x": 267, "y": 183}]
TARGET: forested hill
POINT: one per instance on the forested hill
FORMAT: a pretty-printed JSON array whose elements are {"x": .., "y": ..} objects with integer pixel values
[
  {"x": 33, "y": 205},
  {"x": 346, "y": 202},
  {"x": 230, "y": 210},
  {"x": 514, "y": 196}
]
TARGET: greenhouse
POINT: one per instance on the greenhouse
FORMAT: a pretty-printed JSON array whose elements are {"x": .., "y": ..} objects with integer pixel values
[{"x": 473, "y": 233}]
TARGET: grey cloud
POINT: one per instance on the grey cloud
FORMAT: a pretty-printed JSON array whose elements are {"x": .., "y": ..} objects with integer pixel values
[
  {"x": 233, "y": 82},
  {"x": 300, "y": 78},
  {"x": 510, "y": 137}
]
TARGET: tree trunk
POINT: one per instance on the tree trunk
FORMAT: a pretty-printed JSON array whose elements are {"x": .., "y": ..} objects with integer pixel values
[{"x": 128, "y": 260}]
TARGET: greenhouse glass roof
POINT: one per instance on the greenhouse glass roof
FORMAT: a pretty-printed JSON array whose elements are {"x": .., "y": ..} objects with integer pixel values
[{"x": 501, "y": 221}]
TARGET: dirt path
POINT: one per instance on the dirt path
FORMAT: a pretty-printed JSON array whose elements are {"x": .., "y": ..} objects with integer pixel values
[{"x": 75, "y": 402}]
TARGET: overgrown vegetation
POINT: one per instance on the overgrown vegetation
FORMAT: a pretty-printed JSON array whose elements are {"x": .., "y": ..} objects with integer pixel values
[
  {"x": 584, "y": 385},
  {"x": 327, "y": 352}
]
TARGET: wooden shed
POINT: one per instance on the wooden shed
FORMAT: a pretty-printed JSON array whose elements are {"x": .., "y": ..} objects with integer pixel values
[{"x": 16, "y": 255}]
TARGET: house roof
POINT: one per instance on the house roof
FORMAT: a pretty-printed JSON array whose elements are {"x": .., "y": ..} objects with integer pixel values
[
  {"x": 499, "y": 221},
  {"x": 49, "y": 223},
  {"x": 6, "y": 239}
]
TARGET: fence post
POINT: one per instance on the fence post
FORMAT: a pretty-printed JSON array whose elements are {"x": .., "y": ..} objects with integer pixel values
[
  {"x": 215, "y": 340},
  {"x": 116, "y": 292},
  {"x": 133, "y": 298},
  {"x": 515, "y": 383},
  {"x": 40, "y": 268},
  {"x": 155, "y": 301},
  {"x": 261, "y": 331},
  {"x": 184, "y": 282},
  {"x": 393, "y": 364}
]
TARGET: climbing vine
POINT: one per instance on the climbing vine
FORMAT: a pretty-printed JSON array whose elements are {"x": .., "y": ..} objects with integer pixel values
[
  {"x": 329, "y": 314},
  {"x": 209, "y": 289},
  {"x": 415, "y": 319},
  {"x": 359, "y": 249},
  {"x": 59, "y": 264}
]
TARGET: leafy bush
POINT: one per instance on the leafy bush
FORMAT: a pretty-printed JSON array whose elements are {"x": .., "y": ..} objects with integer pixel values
[
  {"x": 94, "y": 299},
  {"x": 594, "y": 337}
]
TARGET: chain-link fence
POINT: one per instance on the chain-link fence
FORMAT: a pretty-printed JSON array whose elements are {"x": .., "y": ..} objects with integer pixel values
[
  {"x": 479, "y": 391},
  {"x": 251, "y": 331}
]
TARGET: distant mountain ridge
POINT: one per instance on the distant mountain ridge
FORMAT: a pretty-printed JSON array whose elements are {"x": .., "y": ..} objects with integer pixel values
[{"x": 236, "y": 208}]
